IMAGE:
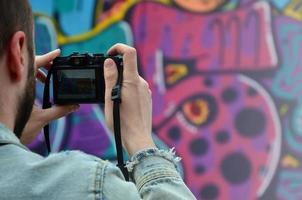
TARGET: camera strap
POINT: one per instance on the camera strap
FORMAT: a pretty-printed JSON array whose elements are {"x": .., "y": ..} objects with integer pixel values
[
  {"x": 116, "y": 98},
  {"x": 47, "y": 104}
]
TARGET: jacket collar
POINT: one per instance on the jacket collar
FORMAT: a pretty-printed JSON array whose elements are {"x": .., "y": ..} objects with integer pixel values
[{"x": 8, "y": 137}]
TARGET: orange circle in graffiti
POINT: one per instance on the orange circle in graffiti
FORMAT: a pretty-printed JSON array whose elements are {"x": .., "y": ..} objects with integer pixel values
[
  {"x": 200, "y": 5},
  {"x": 197, "y": 111}
]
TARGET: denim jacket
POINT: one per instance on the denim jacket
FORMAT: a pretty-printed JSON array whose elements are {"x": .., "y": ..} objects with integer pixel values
[{"x": 78, "y": 176}]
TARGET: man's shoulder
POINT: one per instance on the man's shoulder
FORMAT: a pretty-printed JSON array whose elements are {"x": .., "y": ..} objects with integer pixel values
[
  {"x": 72, "y": 159},
  {"x": 65, "y": 163},
  {"x": 74, "y": 155},
  {"x": 64, "y": 173}
]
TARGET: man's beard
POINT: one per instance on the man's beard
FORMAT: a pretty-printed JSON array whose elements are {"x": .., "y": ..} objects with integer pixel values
[{"x": 26, "y": 100}]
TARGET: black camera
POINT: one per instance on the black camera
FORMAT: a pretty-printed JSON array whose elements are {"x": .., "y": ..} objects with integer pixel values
[{"x": 79, "y": 78}]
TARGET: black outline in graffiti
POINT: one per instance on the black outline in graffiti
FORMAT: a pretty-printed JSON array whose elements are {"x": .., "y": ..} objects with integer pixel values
[
  {"x": 225, "y": 28},
  {"x": 218, "y": 23},
  {"x": 229, "y": 23}
]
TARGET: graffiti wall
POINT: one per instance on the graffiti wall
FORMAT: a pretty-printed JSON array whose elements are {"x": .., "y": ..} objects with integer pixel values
[{"x": 226, "y": 80}]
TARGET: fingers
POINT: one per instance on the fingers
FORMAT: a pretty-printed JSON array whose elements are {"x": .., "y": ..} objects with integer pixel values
[
  {"x": 57, "y": 112},
  {"x": 129, "y": 58},
  {"x": 119, "y": 49},
  {"x": 46, "y": 59}
]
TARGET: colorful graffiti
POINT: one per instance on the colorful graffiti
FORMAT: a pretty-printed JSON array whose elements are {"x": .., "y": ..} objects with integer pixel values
[{"x": 225, "y": 77}]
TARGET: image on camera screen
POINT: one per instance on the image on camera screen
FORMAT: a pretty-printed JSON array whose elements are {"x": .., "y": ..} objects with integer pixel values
[{"x": 76, "y": 84}]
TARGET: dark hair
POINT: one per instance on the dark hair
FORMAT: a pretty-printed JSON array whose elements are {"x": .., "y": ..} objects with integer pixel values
[{"x": 16, "y": 15}]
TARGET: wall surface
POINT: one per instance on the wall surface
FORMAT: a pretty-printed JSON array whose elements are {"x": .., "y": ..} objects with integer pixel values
[{"x": 226, "y": 80}]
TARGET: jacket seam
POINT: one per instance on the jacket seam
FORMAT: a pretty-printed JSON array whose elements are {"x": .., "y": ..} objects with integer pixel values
[{"x": 99, "y": 180}]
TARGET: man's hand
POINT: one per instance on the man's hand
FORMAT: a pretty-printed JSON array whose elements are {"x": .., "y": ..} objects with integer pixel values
[
  {"x": 39, "y": 117},
  {"x": 136, "y": 106}
]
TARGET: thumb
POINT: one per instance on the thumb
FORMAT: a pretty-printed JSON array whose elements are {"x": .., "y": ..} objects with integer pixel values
[
  {"x": 110, "y": 76},
  {"x": 57, "y": 112}
]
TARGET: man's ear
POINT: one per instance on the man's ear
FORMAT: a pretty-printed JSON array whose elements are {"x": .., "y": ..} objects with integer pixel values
[{"x": 16, "y": 55}]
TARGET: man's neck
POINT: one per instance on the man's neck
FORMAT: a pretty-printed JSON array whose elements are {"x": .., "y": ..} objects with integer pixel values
[
  {"x": 7, "y": 115},
  {"x": 7, "y": 98},
  {"x": 8, "y": 123}
]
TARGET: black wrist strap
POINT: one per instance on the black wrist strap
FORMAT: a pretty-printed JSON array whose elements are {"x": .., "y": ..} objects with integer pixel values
[
  {"x": 116, "y": 98},
  {"x": 47, "y": 104}
]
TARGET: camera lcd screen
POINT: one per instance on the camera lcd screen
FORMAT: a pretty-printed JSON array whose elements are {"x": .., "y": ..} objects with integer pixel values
[{"x": 76, "y": 84}]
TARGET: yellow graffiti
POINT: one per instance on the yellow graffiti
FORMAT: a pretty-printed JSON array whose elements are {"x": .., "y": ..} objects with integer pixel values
[
  {"x": 99, "y": 9},
  {"x": 294, "y": 9},
  {"x": 197, "y": 111},
  {"x": 119, "y": 13},
  {"x": 290, "y": 161},
  {"x": 175, "y": 72}
]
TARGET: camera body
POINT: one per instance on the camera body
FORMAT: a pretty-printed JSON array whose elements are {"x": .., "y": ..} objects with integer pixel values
[{"x": 79, "y": 78}]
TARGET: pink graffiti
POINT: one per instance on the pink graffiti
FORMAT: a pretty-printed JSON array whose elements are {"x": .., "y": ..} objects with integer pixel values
[{"x": 191, "y": 62}]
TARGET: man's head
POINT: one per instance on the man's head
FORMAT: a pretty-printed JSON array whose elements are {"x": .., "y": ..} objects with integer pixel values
[{"x": 17, "y": 81}]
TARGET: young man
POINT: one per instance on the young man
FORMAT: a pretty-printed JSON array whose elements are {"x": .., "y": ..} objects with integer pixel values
[{"x": 72, "y": 174}]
